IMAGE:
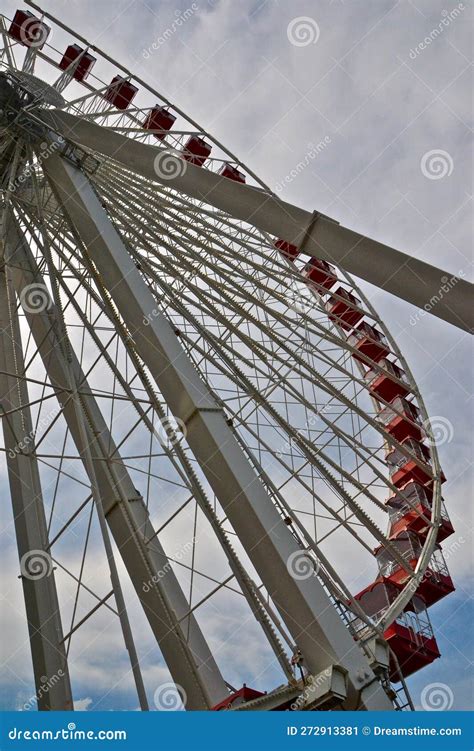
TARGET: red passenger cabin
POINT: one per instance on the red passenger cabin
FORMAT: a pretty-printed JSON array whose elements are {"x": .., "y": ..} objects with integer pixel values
[
  {"x": 343, "y": 309},
  {"x": 436, "y": 582},
  {"x": 196, "y": 150},
  {"x": 228, "y": 170},
  {"x": 410, "y": 511},
  {"x": 410, "y": 636},
  {"x": 401, "y": 419},
  {"x": 388, "y": 383},
  {"x": 404, "y": 469},
  {"x": 27, "y": 29},
  {"x": 242, "y": 696},
  {"x": 160, "y": 120},
  {"x": 321, "y": 273},
  {"x": 85, "y": 62},
  {"x": 120, "y": 92},
  {"x": 369, "y": 341}
]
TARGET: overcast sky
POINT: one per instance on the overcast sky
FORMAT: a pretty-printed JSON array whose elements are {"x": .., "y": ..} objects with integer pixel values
[{"x": 394, "y": 115}]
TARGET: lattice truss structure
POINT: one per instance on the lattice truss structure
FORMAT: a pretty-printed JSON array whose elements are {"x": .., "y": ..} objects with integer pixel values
[{"x": 208, "y": 431}]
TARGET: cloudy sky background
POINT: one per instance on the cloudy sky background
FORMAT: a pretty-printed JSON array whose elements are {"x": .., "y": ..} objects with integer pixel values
[{"x": 379, "y": 106}]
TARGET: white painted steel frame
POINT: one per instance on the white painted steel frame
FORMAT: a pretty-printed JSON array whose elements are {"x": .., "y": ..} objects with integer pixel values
[
  {"x": 303, "y": 604},
  {"x": 404, "y": 276},
  {"x": 311, "y": 224},
  {"x": 146, "y": 227},
  {"x": 248, "y": 587},
  {"x": 50, "y": 668},
  {"x": 180, "y": 639}
]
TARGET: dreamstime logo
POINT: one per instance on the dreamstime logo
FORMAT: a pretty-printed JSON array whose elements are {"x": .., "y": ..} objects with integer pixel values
[
  {"x": 310, "y": 423},
  {"x": 170, "y": 697},
  {"x": 45, "y": 150},
  {"x": 440, "y": 429},
  {"x": 36, "y": 564},
  {"x": 178, "y": 555},
  {"x": 310, "y": 691},
  {"x": 169, "y": 164},
  {"x": 35, "y": 298},
  {"x": 22, "y": 446},
  {"x": 314, "y": 150},
  {"x": 447, "y": 285},
  {"x": 437, "y": 697},
  {"x": 150, "y": 316},
  {"x": 46, "y": 684},
  {"x": 301, "y": 565},
  {"x": 303, "y": 31},
  {"x": 447, "y": 18},
  {"x": 436, "y": 164},
  {"x": 33, "y": 33},
  {"x": 300, "y": 297},
  {"x": 453, "y": 547},
  {"x": 171, "y": 431},
  {"x": 181, "y": 18}
]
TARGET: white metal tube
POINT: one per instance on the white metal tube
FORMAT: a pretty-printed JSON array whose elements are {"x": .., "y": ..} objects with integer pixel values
[{"x": 50, "y": 666}]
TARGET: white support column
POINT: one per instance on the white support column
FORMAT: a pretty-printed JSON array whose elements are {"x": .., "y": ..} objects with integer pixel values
[
  {"x": 182, "y": 643},
  {"x": 37, "y": 575},
  {"x": 303, "y": 604}
]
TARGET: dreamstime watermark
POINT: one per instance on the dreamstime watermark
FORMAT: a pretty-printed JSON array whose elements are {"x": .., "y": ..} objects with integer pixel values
[
  {"x": 302, "y": 31},
  {"x": 181, "y": 17},
  {"x": 310, "y": 689},
  {"x": 25, "y": 443},
  {"x": 436, "y": 164},
  {"x": 440, "y": 430},
  {"x": 45, "y": 150},
  {"x": 169, "y": 164},
  {"x": 452, "y": 547},
  {"x": 36, "y": 564},
  {"x": 437, "y": 697},
  {"x": 310, "y": 423},
  {"x": 447, "y": 553},
  {"x": 46, "y": 684},
  {"x": 70, "y": 733},
  {"x": 177, "y": 556},
  {"x": 34, "y": 33},
  {"x": 170, "y": 697},
  {"x": 447, "y": 284},
  {"x": 448, "y": 16},
  {"x": 313, "y": 152},
  {"x": 35, "y": 298},
  {"x": 302, "y": 565},
  {"x": 171, "y": 431},
  {"x": 301, "y": 298},
  {"x": 146, "y": 320}
]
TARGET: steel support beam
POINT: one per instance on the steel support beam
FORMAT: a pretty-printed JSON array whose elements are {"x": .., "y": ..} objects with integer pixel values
[
  {"x": 50, "y": 668},
  {"x": 402, "y": 275},
  {"x": 304, "y": 605},
  {"x": 182, "y": 643}
]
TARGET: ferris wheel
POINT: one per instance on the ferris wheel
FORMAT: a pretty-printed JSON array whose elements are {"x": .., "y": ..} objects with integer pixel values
[{"x": 211, "y": 437}]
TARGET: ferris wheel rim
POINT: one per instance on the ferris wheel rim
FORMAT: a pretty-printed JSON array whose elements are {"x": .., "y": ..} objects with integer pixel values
[
  {"x": 431, "y": 539},
  {"x": 376, "y": 317}
]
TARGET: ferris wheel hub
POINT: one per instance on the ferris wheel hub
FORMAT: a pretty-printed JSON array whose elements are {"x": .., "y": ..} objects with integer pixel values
[
  {"x": 19, "y": 90},
  {"x": 21, "y": 95}
]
